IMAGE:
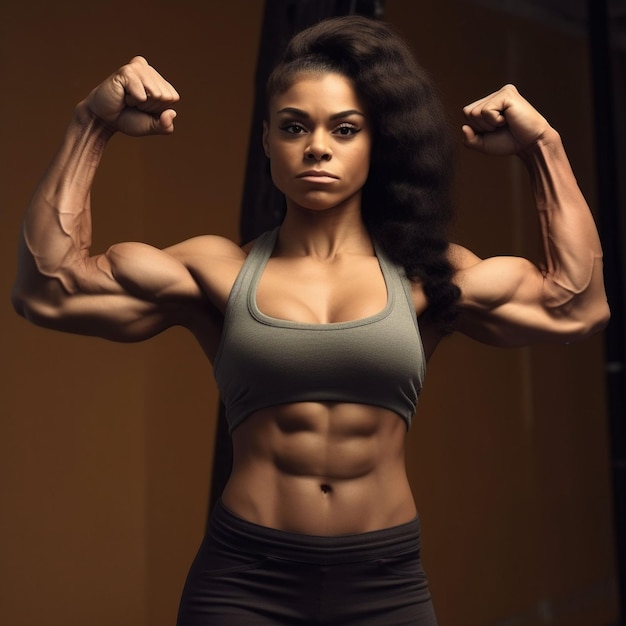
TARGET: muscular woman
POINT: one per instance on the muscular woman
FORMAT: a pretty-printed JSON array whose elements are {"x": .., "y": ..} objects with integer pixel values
[{"x": 320, "y": 330}]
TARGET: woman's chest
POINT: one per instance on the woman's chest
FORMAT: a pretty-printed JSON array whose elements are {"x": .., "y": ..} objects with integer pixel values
[{"x": 321, "y": 292}]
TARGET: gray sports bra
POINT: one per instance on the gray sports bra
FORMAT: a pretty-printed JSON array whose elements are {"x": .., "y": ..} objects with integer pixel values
[{"x": 263, "y": 361}]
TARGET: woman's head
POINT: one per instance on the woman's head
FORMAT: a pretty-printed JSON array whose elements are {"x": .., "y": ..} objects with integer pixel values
[{"x": 409, "y": 133}]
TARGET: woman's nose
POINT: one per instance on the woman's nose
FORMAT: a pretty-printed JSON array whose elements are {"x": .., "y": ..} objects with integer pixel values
[{"x": 318, "y": 148}]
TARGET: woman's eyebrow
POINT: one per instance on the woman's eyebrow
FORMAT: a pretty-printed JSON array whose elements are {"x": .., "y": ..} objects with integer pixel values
[{"x": 304, "y": 115}]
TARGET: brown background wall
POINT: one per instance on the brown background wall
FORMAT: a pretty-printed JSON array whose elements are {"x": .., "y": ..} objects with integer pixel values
[{"x": 105, "y": 450}]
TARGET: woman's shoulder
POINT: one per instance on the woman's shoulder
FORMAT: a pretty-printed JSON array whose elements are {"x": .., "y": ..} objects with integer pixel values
[
  {"x": 213, "y": 261},
  {"x": 461, "y": 258},
  {"x": 216, "y": 246}
]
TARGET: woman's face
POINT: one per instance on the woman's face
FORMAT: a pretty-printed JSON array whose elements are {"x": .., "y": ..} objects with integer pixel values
[{"x": 318, "y": 141}]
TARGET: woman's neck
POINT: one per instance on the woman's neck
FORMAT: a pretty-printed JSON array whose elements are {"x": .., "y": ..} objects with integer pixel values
[{"x": 323, "y": 234}]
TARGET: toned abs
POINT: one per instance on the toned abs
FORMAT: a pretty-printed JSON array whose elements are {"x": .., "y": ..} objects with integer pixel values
[{"x": 320, "y": 469}]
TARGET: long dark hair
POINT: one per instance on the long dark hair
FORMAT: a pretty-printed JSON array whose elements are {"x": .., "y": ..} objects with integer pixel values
[{"x": 406, "y": 203}]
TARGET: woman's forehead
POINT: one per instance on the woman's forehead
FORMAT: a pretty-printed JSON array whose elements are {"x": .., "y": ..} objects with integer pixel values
[{"x": 312, "y": 89}]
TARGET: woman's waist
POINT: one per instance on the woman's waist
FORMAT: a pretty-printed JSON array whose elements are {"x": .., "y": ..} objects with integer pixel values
[{"x": 232, "y": 530}]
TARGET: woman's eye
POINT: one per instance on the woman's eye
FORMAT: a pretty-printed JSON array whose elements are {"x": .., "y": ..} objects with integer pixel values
[
  {"x": 293, "y": 129},
  {"x": 345, "y": 130}
]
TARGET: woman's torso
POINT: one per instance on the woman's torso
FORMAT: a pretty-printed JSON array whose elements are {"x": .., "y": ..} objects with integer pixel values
[{"x": 318, "y": 467}]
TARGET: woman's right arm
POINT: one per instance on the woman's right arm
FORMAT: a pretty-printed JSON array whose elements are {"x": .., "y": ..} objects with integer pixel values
[{"x": 133, "y": 290}]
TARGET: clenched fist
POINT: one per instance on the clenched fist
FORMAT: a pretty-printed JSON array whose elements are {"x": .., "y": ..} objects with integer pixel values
[
  {"x": 135, "y": 100},
  {"x": 503, "y": 123}
]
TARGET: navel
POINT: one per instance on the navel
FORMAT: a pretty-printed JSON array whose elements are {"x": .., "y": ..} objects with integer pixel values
[{"x": 325, "y": 488}]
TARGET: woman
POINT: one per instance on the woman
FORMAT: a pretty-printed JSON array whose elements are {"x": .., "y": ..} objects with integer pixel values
[{"x": 313, "y": 328}]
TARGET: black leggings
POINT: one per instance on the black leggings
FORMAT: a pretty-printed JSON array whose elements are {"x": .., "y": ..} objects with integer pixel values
[{"x": 249, "y": 575}]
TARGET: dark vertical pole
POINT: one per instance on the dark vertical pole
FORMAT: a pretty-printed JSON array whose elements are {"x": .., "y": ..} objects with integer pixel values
[
  {"x": 610, "y": 229},
  {"x": 263, "y": 205}
]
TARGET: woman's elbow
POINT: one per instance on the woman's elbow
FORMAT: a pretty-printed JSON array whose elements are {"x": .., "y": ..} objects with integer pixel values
[
  {"x": 593, "y": 321},
  {"x": 602, "y": 317},
  {"x": 34, "y": 309}
]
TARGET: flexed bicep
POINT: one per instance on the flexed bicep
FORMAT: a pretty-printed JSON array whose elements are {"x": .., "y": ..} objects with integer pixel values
[
  {"x": 509, "y": 301},
  {"x": 130, "y": 293}
]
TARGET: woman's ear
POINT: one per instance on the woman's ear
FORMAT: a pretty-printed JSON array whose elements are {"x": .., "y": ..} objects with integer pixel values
[{"x": 266, "y": 143}]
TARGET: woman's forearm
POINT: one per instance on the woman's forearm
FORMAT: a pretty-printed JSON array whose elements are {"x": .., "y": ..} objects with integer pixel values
[
  {"x": 56, "y": 232},
  {"x": 573, "y": 253},
  {"x": 57, "y": 223}
]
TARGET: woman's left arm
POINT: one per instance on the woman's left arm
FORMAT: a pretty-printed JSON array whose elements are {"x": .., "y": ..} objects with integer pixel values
[{"x": 507, "y": 300}]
